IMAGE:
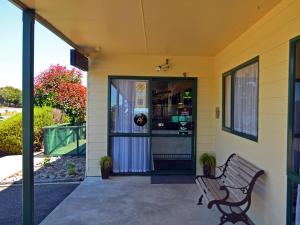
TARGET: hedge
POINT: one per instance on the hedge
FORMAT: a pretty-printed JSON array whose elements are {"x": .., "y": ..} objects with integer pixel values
[{"x": 11, "y": 129}]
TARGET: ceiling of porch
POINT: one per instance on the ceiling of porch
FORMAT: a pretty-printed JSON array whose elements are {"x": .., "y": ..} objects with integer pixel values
[{"x": 154, "y": 27}]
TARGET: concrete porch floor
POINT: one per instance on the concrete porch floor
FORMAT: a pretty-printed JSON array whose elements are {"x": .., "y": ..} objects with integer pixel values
[{"x": 132, "y": 201}]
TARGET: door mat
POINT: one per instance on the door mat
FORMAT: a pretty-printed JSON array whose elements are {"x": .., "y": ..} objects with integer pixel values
[{"x": 173, "y": 179}]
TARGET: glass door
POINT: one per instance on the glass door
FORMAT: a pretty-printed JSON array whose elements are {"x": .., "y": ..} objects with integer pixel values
[
  {"x": 129, "y": 139},
  {"x": 172, "y": 125}
]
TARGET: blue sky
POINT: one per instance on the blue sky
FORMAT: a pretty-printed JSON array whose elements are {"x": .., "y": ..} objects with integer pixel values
[{"x": 49, "y": 49}]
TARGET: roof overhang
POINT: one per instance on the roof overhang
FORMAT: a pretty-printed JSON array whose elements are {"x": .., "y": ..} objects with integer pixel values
[{"x": 149, "y": 27}]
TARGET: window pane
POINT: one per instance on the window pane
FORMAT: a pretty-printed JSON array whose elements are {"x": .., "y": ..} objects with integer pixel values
[
  {"x": 129, "y": 98},
  {"x": 130, "y": 154},
  {"x": 227, "y": 102},
  {"x": 246, "y": 99},
  {"x": 172, "y": 153},
  {"x": 172, "y": 111},
  {"x": 296, "y": 129},
  {"x": 295, "y": 203}
]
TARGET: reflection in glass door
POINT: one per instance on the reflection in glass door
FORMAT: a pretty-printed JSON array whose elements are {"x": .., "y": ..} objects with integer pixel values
[
  {"x": 129, "y": 130},
  {"x": 172, "y": 131}
]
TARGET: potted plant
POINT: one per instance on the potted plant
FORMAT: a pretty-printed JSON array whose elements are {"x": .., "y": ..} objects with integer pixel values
[
  {"x": 106, "y": 166},
  {"x": 208, "y": 162}
]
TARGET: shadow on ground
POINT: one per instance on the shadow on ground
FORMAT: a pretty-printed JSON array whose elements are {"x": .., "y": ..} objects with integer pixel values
[{"x": 47, "y": 197}]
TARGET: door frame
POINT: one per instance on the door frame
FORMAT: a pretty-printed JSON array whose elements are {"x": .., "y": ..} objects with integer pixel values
[
  {"x": 292, "y": 177},
  {"x": 149, "y": 133}
]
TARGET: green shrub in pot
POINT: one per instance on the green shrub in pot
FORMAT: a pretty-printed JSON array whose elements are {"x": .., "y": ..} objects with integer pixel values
[
  {"x": 208, "y": 161},
  {"x": 106, "y": 166}
]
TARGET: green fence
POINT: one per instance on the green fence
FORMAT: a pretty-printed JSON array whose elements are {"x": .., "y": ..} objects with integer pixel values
[{"x": 65, "y": 139}]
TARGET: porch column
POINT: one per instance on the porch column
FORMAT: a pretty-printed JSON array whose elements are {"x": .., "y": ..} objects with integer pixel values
[{"x": 28, "y": 136}]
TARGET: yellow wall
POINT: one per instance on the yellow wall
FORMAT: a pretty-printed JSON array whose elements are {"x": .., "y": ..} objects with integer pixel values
[
  {"x": 269, "y": 38},
  {"x": 135, "y": 65}
]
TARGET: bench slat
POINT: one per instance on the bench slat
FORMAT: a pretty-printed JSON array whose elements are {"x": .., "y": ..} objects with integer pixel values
[
  {"x": 246, "y": 164},
  {"x": 249, "y": 164},
  {"x": 241, "y": 166},
  {"x": 207, "y": 195},
  {"x": 235, "y": 179},
  {"x": 239, "y": 173},
  {"x": 235, "y": 194},
  {"x": 214, "y": 187}
]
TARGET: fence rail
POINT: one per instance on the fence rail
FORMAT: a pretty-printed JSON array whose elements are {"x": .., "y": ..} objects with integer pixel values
[{"x": 65, "y": 139}]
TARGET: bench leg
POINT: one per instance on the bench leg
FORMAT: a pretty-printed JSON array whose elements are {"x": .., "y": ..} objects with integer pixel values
[
  {"x": 233, "y": 217},
  {"x": 200, "y": 200},
  {"x": 224, "y": 220}
]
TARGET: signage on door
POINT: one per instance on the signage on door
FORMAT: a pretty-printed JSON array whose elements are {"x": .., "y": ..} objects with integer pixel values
[
  {"x": 140, "y": 94},
  {"x": 140, "y": 119},
  {"x": 183, "y": 128}
]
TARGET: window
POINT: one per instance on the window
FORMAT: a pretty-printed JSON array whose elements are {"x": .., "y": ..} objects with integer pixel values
[{"x": 240, "y": 100}]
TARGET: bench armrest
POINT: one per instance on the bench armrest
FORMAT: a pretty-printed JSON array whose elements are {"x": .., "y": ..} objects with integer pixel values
[
  {"x": 220, "y": 170},
  {"x": 221, "y": 167},
  {"x": 244, "y": 189}
]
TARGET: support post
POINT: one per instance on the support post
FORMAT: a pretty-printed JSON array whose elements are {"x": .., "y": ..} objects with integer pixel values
[
  {"x": 77, "y": 139},
  {"x": 28, "y": 135}
]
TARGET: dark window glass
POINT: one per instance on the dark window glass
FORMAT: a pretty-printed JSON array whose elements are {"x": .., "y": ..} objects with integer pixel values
[{"x": 172, "y": 107}]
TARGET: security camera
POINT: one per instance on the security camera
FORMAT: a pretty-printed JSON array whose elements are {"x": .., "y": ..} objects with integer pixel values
[
  {"x": 158, "y": 68},
  {"x": 163, "y": 67}
]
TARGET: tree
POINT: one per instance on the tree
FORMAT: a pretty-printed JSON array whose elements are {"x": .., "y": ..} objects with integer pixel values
[
  {"x": 61, "y": 88},
  {"x": 10, "y": 96}
]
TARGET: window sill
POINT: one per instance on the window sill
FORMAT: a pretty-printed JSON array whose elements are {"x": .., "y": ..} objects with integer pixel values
[{"x": 243, "y": 135}]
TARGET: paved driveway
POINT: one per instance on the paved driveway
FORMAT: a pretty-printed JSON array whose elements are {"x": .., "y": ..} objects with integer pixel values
[{"x": 47, "y": 197}]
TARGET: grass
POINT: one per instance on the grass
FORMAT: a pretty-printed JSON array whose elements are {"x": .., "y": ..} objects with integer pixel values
[{"x": 70, "y": 149}]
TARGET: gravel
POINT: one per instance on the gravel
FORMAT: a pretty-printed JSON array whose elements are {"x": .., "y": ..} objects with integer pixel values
[{"x": 55, "y": 170}]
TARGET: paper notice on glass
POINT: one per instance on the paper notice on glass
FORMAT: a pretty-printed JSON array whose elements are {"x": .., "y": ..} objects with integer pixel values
[{"x": 140, "y": 94}]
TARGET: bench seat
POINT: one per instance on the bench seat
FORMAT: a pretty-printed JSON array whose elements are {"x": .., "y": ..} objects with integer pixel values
[{"x": 231, "y": 191}]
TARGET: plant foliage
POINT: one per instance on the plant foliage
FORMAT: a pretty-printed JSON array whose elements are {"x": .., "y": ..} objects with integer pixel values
[
  {"x": 61, "y": 88},
  {"x": 105, "y": 162},
  {"x": 11, "y": 129},
  {"x": 208, "y": 160},
  {"x": 10, "y": 96},
  {"x": 71, "y": 168}
]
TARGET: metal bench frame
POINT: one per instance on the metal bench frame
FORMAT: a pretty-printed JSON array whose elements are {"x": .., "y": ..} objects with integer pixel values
[{"x": 232, "y": 211}]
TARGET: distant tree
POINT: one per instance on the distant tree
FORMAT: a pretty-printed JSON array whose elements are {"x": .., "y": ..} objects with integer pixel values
[
  {"x": 61, "y": 88},
  {"x": 10, "y": 96}
]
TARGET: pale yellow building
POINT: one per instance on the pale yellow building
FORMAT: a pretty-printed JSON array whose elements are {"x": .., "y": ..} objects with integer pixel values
[{"x": 208, "y": 40}]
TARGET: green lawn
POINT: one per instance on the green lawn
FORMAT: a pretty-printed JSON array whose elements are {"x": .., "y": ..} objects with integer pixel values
[{"x": 70, "y": 149}]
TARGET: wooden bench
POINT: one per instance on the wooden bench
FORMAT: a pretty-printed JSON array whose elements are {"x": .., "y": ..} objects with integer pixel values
[{"x": 231, "y": 190}]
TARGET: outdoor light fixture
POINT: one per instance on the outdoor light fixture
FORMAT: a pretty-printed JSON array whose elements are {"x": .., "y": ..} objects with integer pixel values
[{"x": 163, "y": 67}]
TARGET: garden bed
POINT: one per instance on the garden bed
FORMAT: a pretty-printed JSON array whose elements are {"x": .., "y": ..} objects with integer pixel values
[{"x": 54, "y": 169}]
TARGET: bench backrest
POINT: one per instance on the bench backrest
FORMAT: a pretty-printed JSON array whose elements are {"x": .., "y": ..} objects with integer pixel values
[{"x": 239, "y": 172}]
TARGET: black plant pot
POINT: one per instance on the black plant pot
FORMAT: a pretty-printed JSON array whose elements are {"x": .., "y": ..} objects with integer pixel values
[
  {"x": 208, "y": 171},
  {"x": 105, "y": 172}
]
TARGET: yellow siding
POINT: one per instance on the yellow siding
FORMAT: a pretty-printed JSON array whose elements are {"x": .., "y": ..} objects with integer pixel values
[
  {"x": 269, "y": 38},
  {"x": 201, "y": 67}
]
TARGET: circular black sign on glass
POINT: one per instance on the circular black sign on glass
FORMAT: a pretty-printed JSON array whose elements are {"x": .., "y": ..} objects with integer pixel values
[{"x": 140, "y": 119}]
